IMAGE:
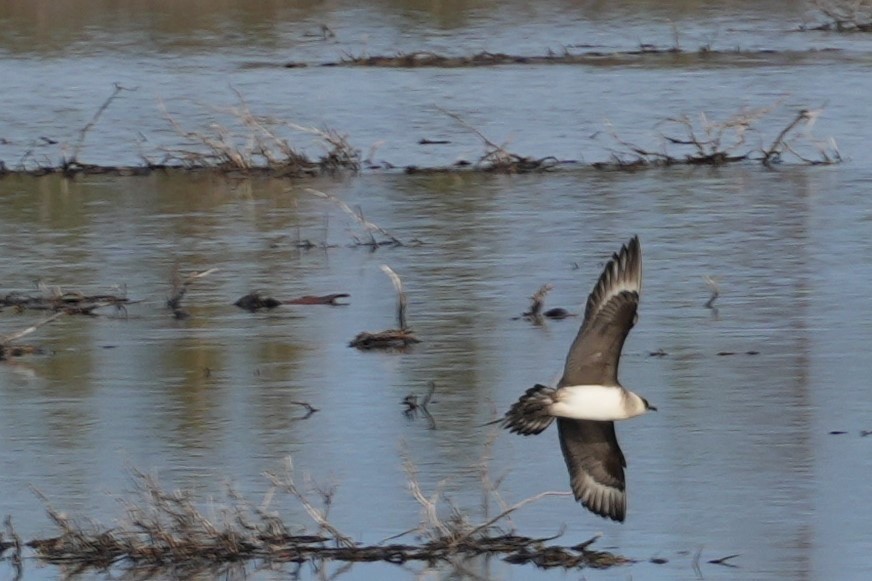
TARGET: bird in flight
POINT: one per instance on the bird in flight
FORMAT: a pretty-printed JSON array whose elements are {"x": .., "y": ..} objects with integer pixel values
[{"x": 589, "y": 398}]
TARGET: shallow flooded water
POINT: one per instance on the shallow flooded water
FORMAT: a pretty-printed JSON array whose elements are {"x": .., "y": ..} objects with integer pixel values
[{"x": 740, "y": 458}]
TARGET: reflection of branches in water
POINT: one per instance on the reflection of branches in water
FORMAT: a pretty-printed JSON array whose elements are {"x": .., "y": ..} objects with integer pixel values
[
  {"x": 415, "y": 407},
  {"x": 715, "y": 289},
  {"x": 310, "y": 409},
  {"x": 369, "y": 227}
]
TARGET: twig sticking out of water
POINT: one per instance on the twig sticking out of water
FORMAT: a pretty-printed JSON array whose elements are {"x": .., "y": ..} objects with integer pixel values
[
  {"x": 773, "y": 153},
  {"x": 499, "y": 159},
  {"x": 458, "y": 534},
  {"x": 70, "y": 165},
  {"x": 398, "y": 338},
  {"x": 7, "y": 347},
  {"x": 70, "y": 302},
  {"x": 536, "y": 313},
  {"x": 285, "y": 481},
  {"x": 538, "y": 301},
  {"x": 179, "y": 287},
  {"x": 15, "y": 542}
]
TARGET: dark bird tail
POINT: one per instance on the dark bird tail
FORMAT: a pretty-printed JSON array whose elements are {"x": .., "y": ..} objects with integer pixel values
[{"x": 529, "y": 415}]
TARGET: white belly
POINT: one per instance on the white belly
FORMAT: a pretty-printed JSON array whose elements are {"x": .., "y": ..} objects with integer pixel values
[{"x": 594, "y": 402}]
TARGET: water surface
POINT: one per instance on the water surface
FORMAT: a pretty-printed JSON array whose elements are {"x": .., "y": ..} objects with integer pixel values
[{"x": 739, "y": 459}]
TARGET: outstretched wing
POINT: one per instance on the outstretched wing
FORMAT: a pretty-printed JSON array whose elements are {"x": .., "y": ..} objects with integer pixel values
[
  {"x": 596, "y": 466},
  {"x": 608, "y": 317}
]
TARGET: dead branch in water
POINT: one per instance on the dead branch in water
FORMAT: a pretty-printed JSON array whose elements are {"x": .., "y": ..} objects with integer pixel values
[
  {"x": 71, "y": 165},
  {"x": 538, "y": 301},
  {"x": 165, "y": 532},
  {"x": 497, "y": 158},
  {"x": 715, "y": 143},
  {"x": 179, "y": 287},
  {"x": 398, "y": 338},
  {"x": 15, "y": 559},
  {"x": 537, "y": 304},
  {"x": 459, "y": 534},
  {"x": 53, "y": 298}
]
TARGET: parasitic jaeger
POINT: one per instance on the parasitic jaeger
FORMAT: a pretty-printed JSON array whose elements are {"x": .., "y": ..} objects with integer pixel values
[{"x": 589, "y": 399}]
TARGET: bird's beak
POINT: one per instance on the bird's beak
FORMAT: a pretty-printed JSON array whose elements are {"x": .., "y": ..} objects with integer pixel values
[{"x": 652, "y": 408}]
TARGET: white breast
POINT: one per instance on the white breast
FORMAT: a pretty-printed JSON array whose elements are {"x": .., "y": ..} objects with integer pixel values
[{"x": 595, "y": 402}]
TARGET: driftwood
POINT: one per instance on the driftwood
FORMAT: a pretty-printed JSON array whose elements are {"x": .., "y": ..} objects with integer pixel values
[{"x": 255, "y": 301}]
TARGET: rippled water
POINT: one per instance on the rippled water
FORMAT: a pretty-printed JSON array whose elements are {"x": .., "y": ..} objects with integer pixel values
[{"x": 739, "y": 459}]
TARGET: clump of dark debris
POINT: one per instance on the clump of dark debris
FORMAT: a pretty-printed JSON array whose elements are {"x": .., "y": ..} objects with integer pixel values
[{"x": 255, "y": 301}]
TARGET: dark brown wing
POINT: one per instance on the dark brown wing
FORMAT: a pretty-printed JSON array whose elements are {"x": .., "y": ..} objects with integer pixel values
[
  {"x": 608, "y": 317},
  {"x": 596, "y": 466}
]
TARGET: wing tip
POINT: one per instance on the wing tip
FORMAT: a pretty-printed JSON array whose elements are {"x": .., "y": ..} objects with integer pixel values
[{"x": 612, "y": 505}]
